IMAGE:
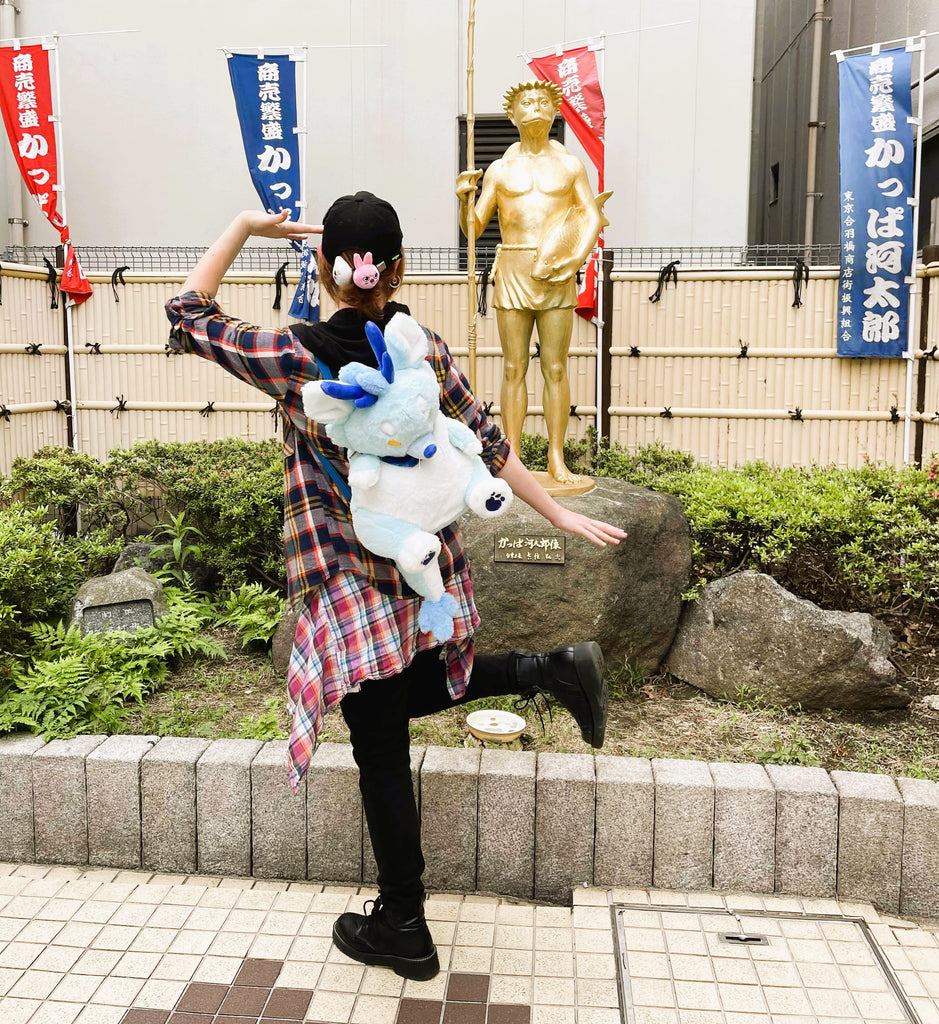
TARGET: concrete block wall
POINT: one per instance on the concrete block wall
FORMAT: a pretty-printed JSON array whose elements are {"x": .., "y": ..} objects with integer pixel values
[{"x": 508, "y": 822}]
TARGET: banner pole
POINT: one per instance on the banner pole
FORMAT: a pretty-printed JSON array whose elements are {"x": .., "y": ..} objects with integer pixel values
[
  {"x": 471, "y": 196},
  {"x": 600, "y": 278},
  {"x": 60, "y": 205},
  {"x": 912, "y": 319}
]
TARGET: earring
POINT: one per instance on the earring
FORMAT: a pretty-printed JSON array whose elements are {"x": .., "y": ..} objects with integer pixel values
[{"x": 395, "y": 281}]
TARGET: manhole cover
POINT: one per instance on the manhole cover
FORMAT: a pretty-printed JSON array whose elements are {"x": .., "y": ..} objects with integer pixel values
[{"x": 692, "y": 966}]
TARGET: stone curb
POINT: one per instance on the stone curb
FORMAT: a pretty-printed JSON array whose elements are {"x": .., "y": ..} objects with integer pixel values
[{"x": 507, "y": 822}]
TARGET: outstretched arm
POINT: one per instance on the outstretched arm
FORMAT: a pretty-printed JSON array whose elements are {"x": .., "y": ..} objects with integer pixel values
[
  {"x": 526, "y": 487},
  {"x": 206, "y": 275}
]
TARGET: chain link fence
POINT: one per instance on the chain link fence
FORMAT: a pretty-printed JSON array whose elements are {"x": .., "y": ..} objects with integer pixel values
[{"x": 176, "y": 260}]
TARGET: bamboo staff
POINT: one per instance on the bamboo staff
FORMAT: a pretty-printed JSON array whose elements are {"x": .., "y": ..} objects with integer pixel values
[{"x": 471, "y": 196}]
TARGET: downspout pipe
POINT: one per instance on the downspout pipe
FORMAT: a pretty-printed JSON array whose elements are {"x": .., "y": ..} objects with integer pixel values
[
  {"x": 811, "y": 195},
  {"x": 14, "y": 190}
]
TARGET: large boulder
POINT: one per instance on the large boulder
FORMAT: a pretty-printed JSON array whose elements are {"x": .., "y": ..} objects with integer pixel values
[
  {"x": 747, "y": 633},
  {"x": 127, "y": 600},
  {"x": 626, "y": 597}
]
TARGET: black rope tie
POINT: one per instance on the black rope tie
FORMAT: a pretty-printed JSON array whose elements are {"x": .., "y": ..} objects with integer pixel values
[
  {"x": 573, "y": 412},
  {"x": 207, "y": 409},
  {"x": 280, "y": 281},
  {"x": 800, "y": 277},
  {"x": 117, "y": 278},
  {"x": 53, "y": 287},
  {"x": 537, "y": 349},
  {"x": 668, "y": 273},
  {"x": 796, "y": 414},
  {"x": 487, "y": 407},
  {"x": 634, "y": 350},
  {"x": 666, "y": 413},
  {"x": 743, "y": 349},
  {"x": 120, "y": 407},
  {"x": 275, "y": 411},
  {"x": 482, "y": 290},
  {"x": 5, "y": 413},
  {"x": 94, "y": 348},
  {"x": 63, "y": 405},
  {"x": 35, "y": 349},
  {"x": 930, "y": 353},
  {"x": 894, "y": 414}
]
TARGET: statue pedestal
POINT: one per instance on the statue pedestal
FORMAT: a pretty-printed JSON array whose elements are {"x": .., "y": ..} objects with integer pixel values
[{"x": 559, "y": 490}]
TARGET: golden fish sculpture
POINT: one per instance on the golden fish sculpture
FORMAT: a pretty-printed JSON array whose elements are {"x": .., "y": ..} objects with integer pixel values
[{"x": 563, "y": 238}]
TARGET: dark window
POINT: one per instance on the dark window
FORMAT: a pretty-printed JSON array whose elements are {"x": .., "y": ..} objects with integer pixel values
[
  {"x": 774, "y": 184},
  {"x": 493, "y": 134}
]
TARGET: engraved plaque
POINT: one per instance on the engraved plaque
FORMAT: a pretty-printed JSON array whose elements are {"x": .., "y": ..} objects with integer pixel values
[
  {"x": 525, "y": 549},
  {"x": 126, "y": 615}
]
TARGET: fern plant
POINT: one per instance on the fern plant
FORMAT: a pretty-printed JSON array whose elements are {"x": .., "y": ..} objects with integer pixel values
[
  {"x": 74, "y": 682},
  {"x": 254, "y": 612}
]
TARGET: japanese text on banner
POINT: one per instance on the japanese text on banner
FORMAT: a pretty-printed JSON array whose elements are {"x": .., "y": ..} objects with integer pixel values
[
  {"x": 877, "y": 245},
  {"x": 26, "y": 102}
]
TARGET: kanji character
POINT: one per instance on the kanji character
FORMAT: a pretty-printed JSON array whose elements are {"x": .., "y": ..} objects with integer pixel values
[
  {"x": 567, "y": 67},
  {"x": 271, "y": 130},
  {"x": 884, "y": 256},
  {"x": 880, "y": 327},
  {"x": 269, "y": 72},
  {"x": 880, "y": 294}
]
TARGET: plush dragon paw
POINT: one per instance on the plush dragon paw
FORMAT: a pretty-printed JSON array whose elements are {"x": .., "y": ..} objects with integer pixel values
[
  {"x": 436, "y": 617},
  {"x": 490, "y": 497}
]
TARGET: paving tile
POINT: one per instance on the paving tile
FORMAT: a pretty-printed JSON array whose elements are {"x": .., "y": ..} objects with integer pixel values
[
  {"x": 464, "y": 1013},
  {"x": 258, "y": 972},
  {"x": 468, "y": 988},
  {"x": 509, "y": 1014}
]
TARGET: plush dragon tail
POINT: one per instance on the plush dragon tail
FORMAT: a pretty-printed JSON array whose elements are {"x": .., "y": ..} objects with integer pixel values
[{"x": 437, "y": 616}]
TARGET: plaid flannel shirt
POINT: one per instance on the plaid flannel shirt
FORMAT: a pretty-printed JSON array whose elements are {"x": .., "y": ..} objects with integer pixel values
[{"x": 318, "y": 534}]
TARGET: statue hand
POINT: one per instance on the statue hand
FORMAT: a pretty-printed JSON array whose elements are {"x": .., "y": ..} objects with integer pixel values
[
  {"x": 562, "y": 271},
  {"x": 466, "y": 183}
]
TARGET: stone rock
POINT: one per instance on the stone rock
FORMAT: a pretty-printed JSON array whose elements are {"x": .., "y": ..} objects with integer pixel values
[
  {"x": 136, "y": 555},
  {"x": 626, "y": 597},
  {"x": 129, "y": 600},
  {"x": 746, "y": 631},
  {"x": 282, "y": 643}
]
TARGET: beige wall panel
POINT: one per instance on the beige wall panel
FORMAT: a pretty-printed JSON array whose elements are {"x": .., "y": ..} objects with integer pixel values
[
  {"x": 25, "y": 433},
  {"x": 25, "y": 316}
]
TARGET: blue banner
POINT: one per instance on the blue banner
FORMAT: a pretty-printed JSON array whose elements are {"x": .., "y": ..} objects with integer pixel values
[
  {"x": 265, "y": 89},
  {"x": 877, "y": 245}
]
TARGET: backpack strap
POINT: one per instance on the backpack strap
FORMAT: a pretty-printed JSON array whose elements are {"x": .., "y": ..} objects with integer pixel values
[{"x": 341, "y": 485}]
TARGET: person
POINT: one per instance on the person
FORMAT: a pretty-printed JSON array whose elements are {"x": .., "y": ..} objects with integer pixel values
[
  {"x": 357, "y": 642},
  {"x": 550, "y": 221}
]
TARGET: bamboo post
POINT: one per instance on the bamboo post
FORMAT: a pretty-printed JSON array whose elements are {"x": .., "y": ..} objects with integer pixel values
[{"x": 471, "y": 197}]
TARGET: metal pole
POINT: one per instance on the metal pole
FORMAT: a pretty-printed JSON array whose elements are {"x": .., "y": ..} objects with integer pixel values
[
  {"x": 912, "y": 316},
  {"x": 60, "y": 205},
  {"x": 601, "y": 274},
  {"x": 471, "y": 196},
  {"x": 811, "y": 196}
]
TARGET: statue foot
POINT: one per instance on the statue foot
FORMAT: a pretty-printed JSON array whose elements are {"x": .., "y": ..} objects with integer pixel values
[{"x": 560, "y": 472}]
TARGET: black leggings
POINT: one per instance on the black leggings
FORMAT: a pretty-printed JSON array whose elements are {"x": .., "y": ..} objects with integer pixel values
[{"x": 378, "y": 717}]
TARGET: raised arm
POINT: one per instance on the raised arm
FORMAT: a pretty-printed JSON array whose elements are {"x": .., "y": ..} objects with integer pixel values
[
  {"x": 206, "y": 276},
  {"x": 485, "y": 206}
]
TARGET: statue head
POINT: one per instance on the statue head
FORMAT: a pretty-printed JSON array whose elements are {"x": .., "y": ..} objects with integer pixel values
[{"x": 532, "y": 103}]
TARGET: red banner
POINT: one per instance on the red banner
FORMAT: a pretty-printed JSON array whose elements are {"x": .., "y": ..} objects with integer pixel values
[
  {"x": 26, "y": 104},
  {"x": 582, "y": 107},
  {"x": 575, "y": 71}
]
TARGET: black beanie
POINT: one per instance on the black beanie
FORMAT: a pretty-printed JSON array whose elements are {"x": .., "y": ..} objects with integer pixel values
[{"x": 365, "y": 223}]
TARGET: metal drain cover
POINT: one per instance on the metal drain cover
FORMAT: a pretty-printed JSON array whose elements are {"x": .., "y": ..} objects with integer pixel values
[{"x": 681, "y": 965}]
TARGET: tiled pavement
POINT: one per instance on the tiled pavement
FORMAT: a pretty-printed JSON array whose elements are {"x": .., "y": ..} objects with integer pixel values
[{"x": 80, "y": 946}]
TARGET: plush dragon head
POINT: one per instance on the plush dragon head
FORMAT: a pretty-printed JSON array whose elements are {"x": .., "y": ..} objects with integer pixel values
[{"x": 388, "y": 412}]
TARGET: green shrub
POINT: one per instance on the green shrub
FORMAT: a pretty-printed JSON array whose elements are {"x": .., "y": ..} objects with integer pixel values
[{"x": 231, "y": 491}]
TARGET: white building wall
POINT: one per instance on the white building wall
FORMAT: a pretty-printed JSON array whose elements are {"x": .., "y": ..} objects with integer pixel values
[{"x": 152, "y": 152}]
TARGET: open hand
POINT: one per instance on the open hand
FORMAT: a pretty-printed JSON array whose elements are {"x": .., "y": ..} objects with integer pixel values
[
  {"x": 277, "y": 225},
  {"x": 595, "y": 530}
]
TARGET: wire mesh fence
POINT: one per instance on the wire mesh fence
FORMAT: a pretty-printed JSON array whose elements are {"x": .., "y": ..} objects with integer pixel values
[{"x": 106, "y": 259}]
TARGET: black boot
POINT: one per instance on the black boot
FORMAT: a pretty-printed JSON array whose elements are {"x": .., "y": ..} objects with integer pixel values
[
  {"x": 383, "y": 938},
  {"x": 574, "y": 677}
]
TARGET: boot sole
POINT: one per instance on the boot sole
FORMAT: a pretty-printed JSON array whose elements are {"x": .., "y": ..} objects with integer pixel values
[
  {"x": 420, "y": 969},
  {"x": 588, "y": 659}
]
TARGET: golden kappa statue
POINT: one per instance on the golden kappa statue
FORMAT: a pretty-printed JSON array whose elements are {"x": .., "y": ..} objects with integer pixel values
[{"x": 550, "y": 222}]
